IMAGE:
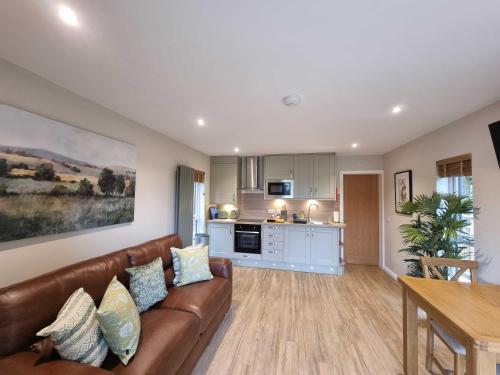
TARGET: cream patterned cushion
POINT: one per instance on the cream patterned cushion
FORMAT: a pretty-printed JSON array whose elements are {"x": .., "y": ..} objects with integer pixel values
[
  {"x": 75, "y": 333},
  {"x": 147, "y": 284},
  {"x": 119, "y": 321},
  {"x": 191, "y": 265}
]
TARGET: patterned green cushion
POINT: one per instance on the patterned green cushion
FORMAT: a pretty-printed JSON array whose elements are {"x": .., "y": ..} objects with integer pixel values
[
  {"x": 191, "y": 265},
  {"x": 75, "y": 333},
  {"x": 147, "y": 284},
  {"x": 119, "y": 321}
]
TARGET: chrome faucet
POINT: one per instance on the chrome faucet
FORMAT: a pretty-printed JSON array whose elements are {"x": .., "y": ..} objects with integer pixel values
[{"x": 309, "y": 211}]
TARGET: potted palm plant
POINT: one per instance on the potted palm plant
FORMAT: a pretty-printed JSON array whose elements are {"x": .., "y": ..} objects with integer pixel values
[{"x": 437, "y": 229}]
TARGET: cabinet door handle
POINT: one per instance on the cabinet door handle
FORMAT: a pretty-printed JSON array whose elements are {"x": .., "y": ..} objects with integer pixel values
[
  {"x": 310, "y": 192},
  {"x": 233, "y": 197},
  {"x": 291, "y": 174},
  {"x": 316, "y": 192}
]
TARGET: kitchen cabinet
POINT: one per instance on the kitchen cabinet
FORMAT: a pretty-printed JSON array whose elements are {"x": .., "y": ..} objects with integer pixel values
[
  {"x": 324, "y": 247},
  {"x": 292, "y": 247},
  {"x": 224, "y": 175},
  {"x": 221, "y": 240},
  {"x": 297, "y": 245},
  {"x": 324, "y": 176},
  {"x": 278, "y": 167},
  {"x": 314, "y": 176},
  {"x": 303, "y": 181}
]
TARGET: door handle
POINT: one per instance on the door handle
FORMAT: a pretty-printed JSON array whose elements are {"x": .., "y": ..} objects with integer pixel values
[
  {"x": 316, "y": 192},
  {"x": 233, "y": 197}
]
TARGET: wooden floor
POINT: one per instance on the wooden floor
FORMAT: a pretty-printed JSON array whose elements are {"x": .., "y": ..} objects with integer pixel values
[{"x": 299, "y": 323}]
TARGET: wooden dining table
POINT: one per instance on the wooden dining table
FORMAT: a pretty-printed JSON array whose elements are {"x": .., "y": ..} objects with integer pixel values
[{"x": 468, "y": 312}]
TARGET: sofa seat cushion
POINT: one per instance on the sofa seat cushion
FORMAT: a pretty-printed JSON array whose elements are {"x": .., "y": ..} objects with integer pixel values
[
  {"x": 203, "y": 299},
  {"x": 167, "y": 337}
]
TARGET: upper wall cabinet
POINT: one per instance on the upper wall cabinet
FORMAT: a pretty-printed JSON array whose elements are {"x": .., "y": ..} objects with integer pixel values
[
  {"x": 278, "y": 167},
  {"x": 303, "y": 170},
  {"x": 224, "y": 174},
  {"x": 314, "y": 176},
  {"x": 324, "y": 176}
]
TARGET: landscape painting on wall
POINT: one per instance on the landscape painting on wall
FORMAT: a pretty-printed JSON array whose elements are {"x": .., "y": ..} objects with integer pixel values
[{"x": 56, "y": 178}]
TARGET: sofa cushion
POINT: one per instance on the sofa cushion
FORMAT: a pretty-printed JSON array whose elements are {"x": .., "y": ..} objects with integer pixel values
[
  {"x": 203, "y": 299},
  {"x": 75, "y": 333},
  {"x": 147, "y": 284},
  {"x": 191, "y": 265},
  {"x": 167, "y": 337},
  {"x": 119, "y": 321}
]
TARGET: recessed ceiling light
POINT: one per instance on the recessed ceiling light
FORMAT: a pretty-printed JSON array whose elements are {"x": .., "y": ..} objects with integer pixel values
[
  {"x": 396, "y": 109},
  {"x": 201, "y": 122},
  {"x": 68, "y": 15},
  {"x": 354, "y": 145},
  {"x": 236, "y": 149}
]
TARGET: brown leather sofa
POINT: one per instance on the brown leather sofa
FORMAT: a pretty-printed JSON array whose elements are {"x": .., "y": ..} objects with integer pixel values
[{"x": 174, "y": 333}]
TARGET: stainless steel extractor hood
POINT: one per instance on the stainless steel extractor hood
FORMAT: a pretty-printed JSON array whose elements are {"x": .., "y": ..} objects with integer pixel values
[{"x": 252, "y": 173}]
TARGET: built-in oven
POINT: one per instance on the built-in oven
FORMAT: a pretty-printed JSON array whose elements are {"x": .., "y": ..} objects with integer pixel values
[
  {"x": 278, "y": 189},
  {"x": 247, "y": 238}
]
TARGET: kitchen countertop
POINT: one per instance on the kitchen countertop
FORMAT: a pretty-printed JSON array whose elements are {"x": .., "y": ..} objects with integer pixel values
[{"x": 242, "y": 221}]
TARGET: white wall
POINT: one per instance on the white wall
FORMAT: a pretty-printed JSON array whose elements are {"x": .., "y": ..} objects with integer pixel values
[
  {"x": 467, "y": 135},
  {"x": 358, "y": 163},
  {"x": 157, "y": 158}
]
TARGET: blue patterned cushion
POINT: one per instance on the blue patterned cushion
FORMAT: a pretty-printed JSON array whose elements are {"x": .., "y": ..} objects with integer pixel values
[
  {"x": 75, "y": 333},
  {"x": 147, "y": 284},
  {"x": 191, "y": 265}
]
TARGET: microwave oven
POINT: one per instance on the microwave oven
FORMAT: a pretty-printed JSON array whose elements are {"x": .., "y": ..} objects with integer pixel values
[{"x": 278, "y": 189}]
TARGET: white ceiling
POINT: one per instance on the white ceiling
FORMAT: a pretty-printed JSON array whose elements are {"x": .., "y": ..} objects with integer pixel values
[{"x": 166, "y": 63}]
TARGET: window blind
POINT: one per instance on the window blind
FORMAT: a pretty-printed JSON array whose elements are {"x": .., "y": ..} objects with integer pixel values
[
  {"x": 199, "y": 176},
  {"x": 460, "y": 165}
]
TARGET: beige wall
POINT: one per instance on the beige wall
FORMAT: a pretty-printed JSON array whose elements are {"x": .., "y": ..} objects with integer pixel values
[
  {"x": 157, "y": 158},
  {"x": 467, "y": 135}
]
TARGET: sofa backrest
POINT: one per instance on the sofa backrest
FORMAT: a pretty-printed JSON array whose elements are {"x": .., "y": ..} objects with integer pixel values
[{"x": 27, "y": 307}]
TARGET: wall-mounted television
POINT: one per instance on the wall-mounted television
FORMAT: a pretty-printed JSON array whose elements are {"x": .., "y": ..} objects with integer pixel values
[{"x": 495, "y": 136}]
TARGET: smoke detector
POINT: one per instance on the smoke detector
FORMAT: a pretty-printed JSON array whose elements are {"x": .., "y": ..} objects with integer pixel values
[{"x": 292, "y": 100}]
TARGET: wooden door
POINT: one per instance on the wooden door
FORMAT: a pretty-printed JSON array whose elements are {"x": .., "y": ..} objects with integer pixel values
[
  {"x": 361, "y": 214},
  {"x": 303, "y": 176}
]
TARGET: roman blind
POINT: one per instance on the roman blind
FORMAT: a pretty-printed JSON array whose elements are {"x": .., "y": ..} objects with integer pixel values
[
  {"x": 460, "y": 165},
  {"x": 199, "y": 176}
]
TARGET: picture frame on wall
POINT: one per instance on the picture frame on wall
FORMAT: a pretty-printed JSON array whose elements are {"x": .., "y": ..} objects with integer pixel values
[{"x": 403, "y": 189}]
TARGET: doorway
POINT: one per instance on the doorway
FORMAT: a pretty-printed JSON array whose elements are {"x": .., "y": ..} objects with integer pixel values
[{"x": 361, "y": 213}]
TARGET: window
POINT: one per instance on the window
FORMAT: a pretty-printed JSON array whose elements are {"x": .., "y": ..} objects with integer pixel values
[{"x": 455, "y": 177}]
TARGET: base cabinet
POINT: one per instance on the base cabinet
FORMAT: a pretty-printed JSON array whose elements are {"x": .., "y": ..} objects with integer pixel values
[
  {"x": 285, "y": 247},
  {"x": 221, "y": 240},
  {"x": 324, "y": 247},
  {"x": 297, "y": 245}
]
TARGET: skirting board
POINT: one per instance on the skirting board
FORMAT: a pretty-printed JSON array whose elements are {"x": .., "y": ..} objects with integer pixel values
[{"x": 390, "y": 273}]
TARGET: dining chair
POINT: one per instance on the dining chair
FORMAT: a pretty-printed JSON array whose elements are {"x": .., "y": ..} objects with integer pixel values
[{"x": 433, "y": 268}]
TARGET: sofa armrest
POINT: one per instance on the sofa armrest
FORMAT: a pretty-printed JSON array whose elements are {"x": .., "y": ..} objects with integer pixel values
[
  {"x": 31, "y": 363},
  {"x": 222, "y": 267}
]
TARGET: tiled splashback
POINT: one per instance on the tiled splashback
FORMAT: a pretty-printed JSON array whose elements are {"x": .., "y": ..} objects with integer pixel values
[{"x": 255, "y": 206}]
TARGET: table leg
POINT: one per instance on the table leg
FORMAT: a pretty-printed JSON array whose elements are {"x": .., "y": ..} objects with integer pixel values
[
  {"x": 410, "y": 335},
  {"x": 480, "y": 362}
]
